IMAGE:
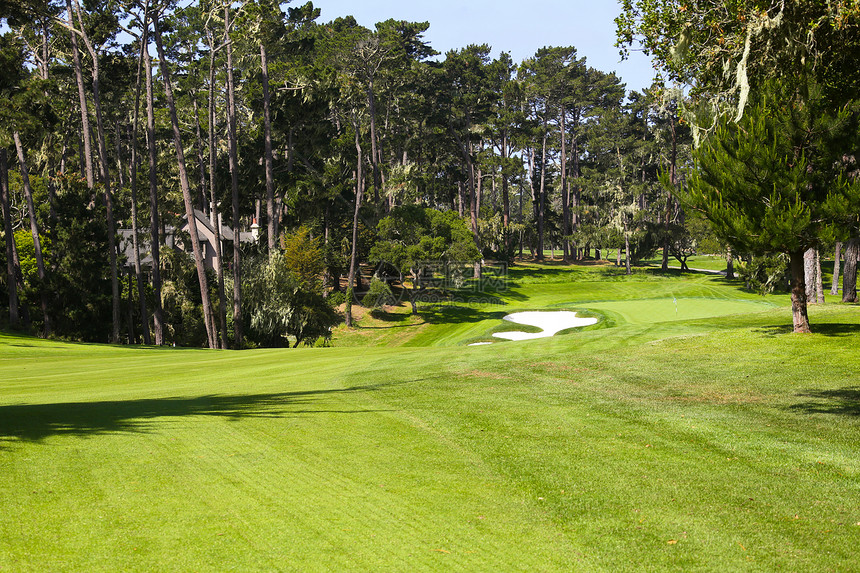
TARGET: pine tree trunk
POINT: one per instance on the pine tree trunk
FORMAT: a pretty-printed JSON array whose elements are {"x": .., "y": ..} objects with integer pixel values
[
  {"x": 280, "y": 209},
  {"x": 269, "y": 159},
  {"x": 214, "y": 215},
  {"x": 186, "y": 189},
  {"x": 532, "y": 193},
  {"x": 542, "y": 195},
  {"x": 800, "y": 318},
  {"x": 819, "y": 281},
  {"x": 834, "y": 285},
  {"x": 672, "y": 177},
  {"x": 130, "y": 309},
  {"x": 234, "y": 183},
  {"x": 374, "y": 152},
  {"x": 473, "y": 197},
  {"x": 506, "y": 201},
  {"x": 104, "y": 175},
  {"x": 34, "y": 230},
  {"x": 461, "y": 199},
  {"x": 11, "y": 275},
  {"x": 154, "y": 223},
  {"x": 479, "y": 193},
  {"x": 86, "y": 132},
  {"x": 849, "y": 271},
  {"x": 664, "y": 265},
  {"x": 730, "y": 265},
  {"x": 138, "y": 269},
  {"x": 201, "y": 163},
  {"x": 809, "y": 276},
  {"x": 565, "y": 192},
  {"x": 627, "y": 251},
  {"x": 577, "y": 191},
  {"x": 475, "y": 209},
  {"x": 359, "y": 193}
]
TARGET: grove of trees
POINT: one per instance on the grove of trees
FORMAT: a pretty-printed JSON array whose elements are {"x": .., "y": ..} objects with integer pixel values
[
  {"x": 126, "y": 121},
  {"x": 775, "y": 110}
]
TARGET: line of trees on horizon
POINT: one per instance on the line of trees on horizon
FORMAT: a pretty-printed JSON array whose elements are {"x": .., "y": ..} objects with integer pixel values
[{"x": 141, "y": 121}]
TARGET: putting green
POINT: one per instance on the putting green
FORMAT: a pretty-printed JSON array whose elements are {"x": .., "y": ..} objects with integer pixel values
[{"x": 648, "y": 311}]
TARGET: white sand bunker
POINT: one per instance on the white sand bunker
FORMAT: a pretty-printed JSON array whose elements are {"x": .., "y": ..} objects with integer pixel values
[{"x": 551, "y": 323}]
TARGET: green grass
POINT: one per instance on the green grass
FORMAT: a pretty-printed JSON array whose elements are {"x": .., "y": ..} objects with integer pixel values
[
  {"x": 600, "y": 290},
  {"x": 714, "y": 441}
]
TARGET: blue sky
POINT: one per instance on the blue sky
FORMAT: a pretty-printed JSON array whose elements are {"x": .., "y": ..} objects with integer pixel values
[{"x": 516, "y": 27}]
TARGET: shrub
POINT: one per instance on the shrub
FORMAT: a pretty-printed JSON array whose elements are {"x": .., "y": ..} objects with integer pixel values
[
  {"x": 766, "y": 273},
  {"x": 378, "y": 295}
]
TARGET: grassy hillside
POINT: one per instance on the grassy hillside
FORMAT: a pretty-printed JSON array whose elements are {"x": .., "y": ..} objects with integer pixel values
[{"x": 711, "y": 439}]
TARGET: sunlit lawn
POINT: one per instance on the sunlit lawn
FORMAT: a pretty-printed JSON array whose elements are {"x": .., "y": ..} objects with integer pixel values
[{"x": 711, "y": 440}]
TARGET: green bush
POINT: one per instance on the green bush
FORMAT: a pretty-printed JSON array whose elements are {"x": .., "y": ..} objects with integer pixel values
[
  {"x": 279, "y": 304},
  {"x": 765, "y": 274},
  {"x": 379, "y": 294},
  {"x": 336, "y": 298}
]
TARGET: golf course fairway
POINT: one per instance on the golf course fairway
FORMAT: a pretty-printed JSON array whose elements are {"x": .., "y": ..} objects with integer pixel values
[{"x": 707, "y": 439}]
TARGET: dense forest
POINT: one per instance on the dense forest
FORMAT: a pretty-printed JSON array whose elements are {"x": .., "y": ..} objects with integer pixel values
[{"x": 229, "y": 175}]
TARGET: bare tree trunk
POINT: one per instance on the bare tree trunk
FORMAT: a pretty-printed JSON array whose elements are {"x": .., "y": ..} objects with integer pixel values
[
  {"x": 186, "y": 189},
  {"x": 506, "y": 200},
  {"x": 479, "y": 193},
  {"x": 120, "y": 169},
  {"x": 849, "y": 273},
  {"x": 154, "y": 223},
  {"x": 672, "y": 177},
  {"x": 280, "y": 209},
  {"x": 474, "y": 205},
  {"x": 327, "y": 278},
  {"x": 819, "y": 281},
  {"x": 542, "y": 195},
  {"x": 473, "y": 197},
  {"x": 213, "y": 204},
  {"x": 575, "y": 195},
  {"x": 269, "y": 159},
  {"x": 130, "y": 309},
  {"x": 11, "y": 273},
  {"x": 374, "y": 152},
  {"x": 198, "y": 144},
  {"x": 627, "y": 250},
  {"x": 533, "y": 193},
  {"x": 834, "y": 286},
  {"x": 234, "y": 181},
  {"x": 104, "y": 173},
  {"x": 809, "y": 276},
  {"x": 138, "y": 270},
  {"x": 86, "y": 132},
  {"x": 461, "y": 199},
  {"x": 34, "y": 230},
  {"x": 359, "y": 193},
  {"x": 565, "y": 192},
  {"x": 800, "y": 318}
]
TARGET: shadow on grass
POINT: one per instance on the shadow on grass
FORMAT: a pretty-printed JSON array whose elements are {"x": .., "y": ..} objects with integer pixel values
[
  {"x": 393, "y": 320},
  {"x": 35, "y": 422},
  {"x": 554, "y": 274},
  {"x": 835, "y": 329},
  {"x": 447, "y": 314},
  {"x": 843, "y": 401}
]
